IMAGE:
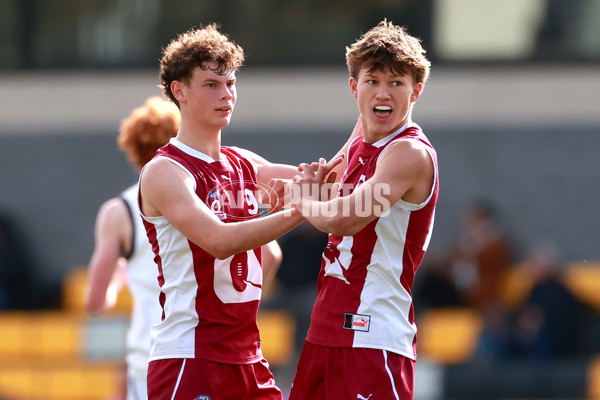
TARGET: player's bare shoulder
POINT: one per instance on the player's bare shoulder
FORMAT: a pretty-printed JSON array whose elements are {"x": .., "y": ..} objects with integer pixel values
[
  {"x": 113, "y": 219},
  {"x": 409, "y": 151},
  {"x": 408, "y": 162},
  {"x": 160, "y": 179}
]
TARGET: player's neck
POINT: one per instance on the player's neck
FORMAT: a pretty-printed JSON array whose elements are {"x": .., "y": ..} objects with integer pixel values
[
  {"x": 375, "y": 135},
  {"x": 207, "y": 141}
]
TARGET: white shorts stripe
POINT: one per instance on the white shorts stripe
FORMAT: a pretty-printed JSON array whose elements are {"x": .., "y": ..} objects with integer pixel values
[
  {"x": 390, "y": 374},
  {"x": 181, "y": 374}
]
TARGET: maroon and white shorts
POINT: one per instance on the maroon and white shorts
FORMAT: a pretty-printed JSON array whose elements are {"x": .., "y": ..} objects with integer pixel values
[
  {"x": 342, "y": 373},
  {"x": 193, "y": 378}
]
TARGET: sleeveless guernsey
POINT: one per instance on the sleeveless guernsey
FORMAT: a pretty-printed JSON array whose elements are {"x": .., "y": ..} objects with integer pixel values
[
  {"x": 209, "y": 305},
  {"x": 364, "y": 287}
]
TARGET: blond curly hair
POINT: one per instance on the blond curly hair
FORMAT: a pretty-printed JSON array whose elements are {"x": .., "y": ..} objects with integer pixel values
[
  {"x": 146, "y": 129},
  {"x": 388, "y": 46},
  {"x": 193, "y": 49}
]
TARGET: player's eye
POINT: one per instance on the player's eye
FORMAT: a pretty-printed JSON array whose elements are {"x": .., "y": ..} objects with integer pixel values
[
  {"x": 371, "y": 81},
  {"x": 396, "y": 83}
]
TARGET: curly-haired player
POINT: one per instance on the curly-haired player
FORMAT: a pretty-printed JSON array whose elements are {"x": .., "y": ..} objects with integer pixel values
[
  {"x": 122, "y": 253},
  {"x": 201, "y": 212}
]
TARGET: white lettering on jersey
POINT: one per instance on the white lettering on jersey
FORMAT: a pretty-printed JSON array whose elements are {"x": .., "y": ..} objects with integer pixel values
[{"x": 251, "y": 201}]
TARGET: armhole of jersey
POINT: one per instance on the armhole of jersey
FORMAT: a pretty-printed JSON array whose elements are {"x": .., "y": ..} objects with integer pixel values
[
  {"x": 435, "y": 173},
  {"x": 405, "y": 204},
  {"x": 349, "y": 147},
  {"x": 133, "y": 228}
]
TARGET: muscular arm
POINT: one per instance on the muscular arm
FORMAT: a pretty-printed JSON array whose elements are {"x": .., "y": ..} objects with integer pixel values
[
  {"x": 168, "y": 190},
  {"x": 404, "y": 171},
  {"x": 113, "y": 232}
]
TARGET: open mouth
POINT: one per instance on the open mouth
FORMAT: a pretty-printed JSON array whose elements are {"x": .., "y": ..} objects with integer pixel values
[{"x": 382, "y": 111}]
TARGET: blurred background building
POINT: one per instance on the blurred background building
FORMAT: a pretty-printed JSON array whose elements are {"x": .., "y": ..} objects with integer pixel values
[{"x": 512, "y": 108}]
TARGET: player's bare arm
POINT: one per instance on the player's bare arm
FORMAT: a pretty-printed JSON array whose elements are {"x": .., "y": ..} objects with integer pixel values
[
  {"x": 273, "y": 177},
  {"x": 314, "y": 175},
  {"x": 267, "y": 170},
  {"x": 168, "y": 190},
  {"x": 113, "y": 233},
  {"x": 404, "y": 171}
]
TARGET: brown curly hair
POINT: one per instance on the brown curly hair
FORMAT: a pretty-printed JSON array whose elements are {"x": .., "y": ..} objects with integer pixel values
[
  {"x": 146, "y": 129},
  {"x": 193, "y": 49},
  {"x": 388, "y": 46}
]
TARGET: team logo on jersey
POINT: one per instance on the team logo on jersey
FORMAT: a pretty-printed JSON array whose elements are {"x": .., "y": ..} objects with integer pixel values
[
  {"x": 203, "y": 397},
  {"x": 216, "y": 200},
  {"x": 214, "y": 194},
  {"x": 357, "y": 322}
]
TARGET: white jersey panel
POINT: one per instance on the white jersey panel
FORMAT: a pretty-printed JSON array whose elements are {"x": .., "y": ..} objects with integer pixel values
[
  {"x": 176, "y": 331},
  {"x": 383, "y": 298}
]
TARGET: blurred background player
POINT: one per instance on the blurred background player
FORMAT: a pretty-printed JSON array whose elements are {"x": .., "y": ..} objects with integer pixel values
[
  {"x": 482, "y": 256},
  {"x": 122, "y": 254}
]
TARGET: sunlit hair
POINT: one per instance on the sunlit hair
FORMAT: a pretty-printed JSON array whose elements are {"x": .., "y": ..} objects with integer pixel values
[
  {"x": 196, "y": 48},
  {"x": 146, "y": 129},
  {"x": 388, "y": 46}
]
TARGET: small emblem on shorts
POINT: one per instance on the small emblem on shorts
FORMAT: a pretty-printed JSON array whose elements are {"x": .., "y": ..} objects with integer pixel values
[
  {"x": 357, "y": 322},
  {"x": 203, "y": 397}
]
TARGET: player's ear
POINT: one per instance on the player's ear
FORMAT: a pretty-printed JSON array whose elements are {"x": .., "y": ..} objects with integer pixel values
[
  {"x": 177, "y": 90},
  {"x": 417, "y": 90},
  {"x": 353, "y": 87}
]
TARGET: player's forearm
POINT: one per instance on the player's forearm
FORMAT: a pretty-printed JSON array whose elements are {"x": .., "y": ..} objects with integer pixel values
[
  {"x": 233, "y": 238},
  {"x": 100, "y": 278},
  {"x": 276, "y": 171},
  {"x": 100, "y": 299},
  {"x": 323, "y": 215},
  {"x": 338, "y": 216}
]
